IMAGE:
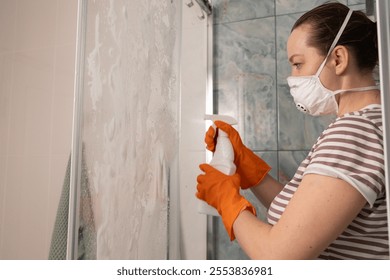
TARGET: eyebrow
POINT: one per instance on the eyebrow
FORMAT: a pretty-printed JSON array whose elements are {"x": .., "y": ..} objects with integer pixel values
[{"x": 294, "y": 55}]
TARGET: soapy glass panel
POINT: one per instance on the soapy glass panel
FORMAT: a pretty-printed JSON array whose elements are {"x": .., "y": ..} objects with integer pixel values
[{"x": 129, "y": 128}]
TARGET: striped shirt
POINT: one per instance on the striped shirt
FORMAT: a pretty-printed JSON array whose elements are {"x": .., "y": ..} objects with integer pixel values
[{"x": 351, "y": 149}]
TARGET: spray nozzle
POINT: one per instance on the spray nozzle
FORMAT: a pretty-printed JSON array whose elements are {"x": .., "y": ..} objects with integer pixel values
[{"x": 225, "y": 118}]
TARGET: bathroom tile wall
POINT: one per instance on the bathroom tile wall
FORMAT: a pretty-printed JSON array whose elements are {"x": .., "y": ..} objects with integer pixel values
[
  {"x": 37, "y": 53},
  {"x": 250, "y": 71}
]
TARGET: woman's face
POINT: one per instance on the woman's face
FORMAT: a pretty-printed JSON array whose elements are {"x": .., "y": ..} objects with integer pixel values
[{"x": 305, "y": 60}]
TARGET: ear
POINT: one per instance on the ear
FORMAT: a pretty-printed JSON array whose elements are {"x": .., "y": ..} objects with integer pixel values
[{"x": 341, "y": 59}]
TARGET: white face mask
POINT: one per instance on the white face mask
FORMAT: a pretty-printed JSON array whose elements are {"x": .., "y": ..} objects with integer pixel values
[{"x": 310, "y": 95}]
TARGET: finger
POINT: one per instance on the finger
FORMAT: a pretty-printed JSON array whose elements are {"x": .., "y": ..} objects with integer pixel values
[
  {"x": 224, "y": 126},
  {"x": 199, "y": 194},
  {"x": 206, "y": 168},
  {"x": 209, "y": 139},
  {"x": 233, "y": 134},
  {"x": 200, "y": 179},
  {"x": 210, "y": 133}
]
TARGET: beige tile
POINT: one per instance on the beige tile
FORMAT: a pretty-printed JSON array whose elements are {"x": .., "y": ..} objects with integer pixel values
[
  {"x": 36, "y": 24},
  {"x": 3, "y": 162},
  {"x": 11, "y": 233},
  {"x": 63, "y": 96},
  {"x": 36, "y": 95},
  {"x": 17, "y": 124},
  {"x": 66, "y": 22},
  {"x": 7, "y": 25},
  {"x": 31, "y": 102},
  {"x": 5, "y": 99},
  {"x": 34, "y": 207}
]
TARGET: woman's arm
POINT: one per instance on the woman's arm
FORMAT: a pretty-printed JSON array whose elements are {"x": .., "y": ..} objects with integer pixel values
[
  {"x": 320, "y": 210},
  {"x": 267, "y": 190}
]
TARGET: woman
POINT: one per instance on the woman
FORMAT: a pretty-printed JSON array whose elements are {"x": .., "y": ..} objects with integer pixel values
[{"x": 335, "y": 205}]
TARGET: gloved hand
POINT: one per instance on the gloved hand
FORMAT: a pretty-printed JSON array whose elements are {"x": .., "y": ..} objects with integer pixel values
[
  {"x": 250, "y": 167},
  {"x": 223, "y": 193}
]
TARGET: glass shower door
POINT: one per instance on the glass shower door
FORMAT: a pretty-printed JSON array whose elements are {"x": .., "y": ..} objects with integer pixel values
[{"x": 128, "y": 129}]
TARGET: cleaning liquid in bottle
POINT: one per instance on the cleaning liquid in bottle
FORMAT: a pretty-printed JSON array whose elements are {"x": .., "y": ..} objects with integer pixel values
[{"x": 223, "y": 158}]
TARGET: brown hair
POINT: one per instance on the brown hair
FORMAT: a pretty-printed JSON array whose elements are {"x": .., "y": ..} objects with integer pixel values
[{"x": 359, "y": 36}]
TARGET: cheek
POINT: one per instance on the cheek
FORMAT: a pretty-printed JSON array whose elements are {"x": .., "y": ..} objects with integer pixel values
[{"x": 328, "y": 79}]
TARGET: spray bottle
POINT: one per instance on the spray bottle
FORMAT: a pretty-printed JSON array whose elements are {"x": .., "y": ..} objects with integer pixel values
[{"x": 223, "y": 159}]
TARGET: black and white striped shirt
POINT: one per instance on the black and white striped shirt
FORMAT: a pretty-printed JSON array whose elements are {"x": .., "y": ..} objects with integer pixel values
[{"x": 351, "y": 149}]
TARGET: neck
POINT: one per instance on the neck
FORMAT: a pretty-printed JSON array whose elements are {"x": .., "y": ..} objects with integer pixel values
[
  {"x": 355, "y": 100},
  {"x": 351, "y": 101}
]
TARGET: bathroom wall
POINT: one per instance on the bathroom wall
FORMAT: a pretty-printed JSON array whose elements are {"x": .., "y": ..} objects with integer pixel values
[
  {"x": 139, "y": 131},
  {"x": 250, "y": 71},
  {"x": 37, "y": 53},
  {"x": 144, "y": 100}
]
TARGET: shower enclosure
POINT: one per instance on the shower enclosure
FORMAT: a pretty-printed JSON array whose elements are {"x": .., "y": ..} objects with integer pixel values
[
  {"x": 146, "y": 72},
  {"x": 131, "y": 125}
]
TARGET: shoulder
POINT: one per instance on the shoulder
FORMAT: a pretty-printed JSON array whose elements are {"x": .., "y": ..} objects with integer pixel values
[
  {"x": 351, "y": 149},
  {"x": 366, "y": 118},
  {"x": 363, "y": 126}
]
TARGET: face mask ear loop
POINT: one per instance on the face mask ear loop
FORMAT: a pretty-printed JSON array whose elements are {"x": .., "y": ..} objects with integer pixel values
[{"x": 336, "y": 39}]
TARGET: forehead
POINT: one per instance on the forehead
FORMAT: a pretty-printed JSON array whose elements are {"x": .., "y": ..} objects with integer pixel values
[
  {"x": 297, "y": 42},
  {"x": 298, "y": 39}
]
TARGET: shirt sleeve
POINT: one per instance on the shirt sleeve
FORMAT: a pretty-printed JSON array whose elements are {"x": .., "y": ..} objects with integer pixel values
[{"x": 351, "y": 149}]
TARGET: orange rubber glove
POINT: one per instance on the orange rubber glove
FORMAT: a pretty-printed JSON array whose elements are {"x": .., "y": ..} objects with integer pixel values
[
  {"x": 223, "y": 193},
  {"x": 250, "y": 167}
]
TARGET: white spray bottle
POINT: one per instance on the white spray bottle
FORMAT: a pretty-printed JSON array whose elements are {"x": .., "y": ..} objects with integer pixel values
[{"x": 223, "y": 159}]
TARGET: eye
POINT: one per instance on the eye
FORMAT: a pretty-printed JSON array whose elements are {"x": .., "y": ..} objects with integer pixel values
[{"x": 297, "y": 65}]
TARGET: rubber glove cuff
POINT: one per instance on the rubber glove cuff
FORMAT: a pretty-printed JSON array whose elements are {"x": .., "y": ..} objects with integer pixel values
[{"x": 223, "y": 193}]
